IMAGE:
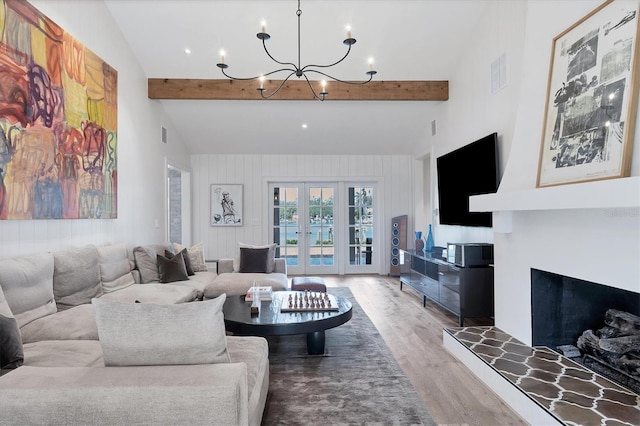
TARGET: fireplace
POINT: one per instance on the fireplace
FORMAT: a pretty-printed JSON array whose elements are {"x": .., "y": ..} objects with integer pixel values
[{"x": 563, "y": 308}]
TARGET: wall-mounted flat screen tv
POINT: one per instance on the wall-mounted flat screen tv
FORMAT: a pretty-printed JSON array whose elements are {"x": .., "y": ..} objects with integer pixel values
[{"x": 469, "y": 170}]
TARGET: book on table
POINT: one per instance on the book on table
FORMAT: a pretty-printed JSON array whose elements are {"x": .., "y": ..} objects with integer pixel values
[{"x": 265, "y": 293}]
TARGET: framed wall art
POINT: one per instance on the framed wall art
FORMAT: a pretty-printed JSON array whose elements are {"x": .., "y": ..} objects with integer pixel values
[
  {"x": 592, "y": 98},
  {"x": 226, "y": 205},
  {"x": 58, "y": 122}
]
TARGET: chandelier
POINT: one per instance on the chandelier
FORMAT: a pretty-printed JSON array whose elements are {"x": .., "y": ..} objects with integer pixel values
[{"x": 298, "y": 70}]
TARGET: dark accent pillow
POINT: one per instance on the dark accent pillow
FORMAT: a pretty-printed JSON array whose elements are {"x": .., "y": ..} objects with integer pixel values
[
  {"x": 253, "y": 259},
  {"x": 185, "y": 256},
  {"x": 11, "y": 354},
  {"x": 171, "y": 270}
]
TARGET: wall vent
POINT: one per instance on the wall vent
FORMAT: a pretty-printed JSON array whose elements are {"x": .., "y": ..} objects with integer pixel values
[
  {"x": 499, "y": 73},
  {"x": 163, "y": 134}
]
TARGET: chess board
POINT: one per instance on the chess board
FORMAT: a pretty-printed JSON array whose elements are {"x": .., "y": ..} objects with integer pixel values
[{"x": 305, "y": 301}]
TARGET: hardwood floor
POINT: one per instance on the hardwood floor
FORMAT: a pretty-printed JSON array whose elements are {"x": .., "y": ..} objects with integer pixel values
[{"x": 451, "y": 393}]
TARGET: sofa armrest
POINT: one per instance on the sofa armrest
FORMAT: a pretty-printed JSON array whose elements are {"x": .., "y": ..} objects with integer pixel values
[
  {"x": 225, "y": 265},
  {"x": 280, "y": 265},
  {"x": 167, "y": 394}
]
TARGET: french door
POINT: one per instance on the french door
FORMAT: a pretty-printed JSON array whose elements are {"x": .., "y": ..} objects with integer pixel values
[
  {"x": 325, "y": 228},
  {"x": 304, "y": 226}
]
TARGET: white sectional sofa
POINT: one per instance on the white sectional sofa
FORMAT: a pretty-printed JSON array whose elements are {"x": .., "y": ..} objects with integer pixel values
[{"x": 52, "y": 355}]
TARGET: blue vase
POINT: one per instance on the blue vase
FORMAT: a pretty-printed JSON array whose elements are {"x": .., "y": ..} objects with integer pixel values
[{"x": 430, "y": 242}]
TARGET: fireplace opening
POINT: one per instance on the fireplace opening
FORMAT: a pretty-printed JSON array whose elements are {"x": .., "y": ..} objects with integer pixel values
[{"x": 566, "y": 310}]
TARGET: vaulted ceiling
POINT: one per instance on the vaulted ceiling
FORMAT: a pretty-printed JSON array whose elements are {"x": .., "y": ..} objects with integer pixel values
[{"x": 410, "y": 40}]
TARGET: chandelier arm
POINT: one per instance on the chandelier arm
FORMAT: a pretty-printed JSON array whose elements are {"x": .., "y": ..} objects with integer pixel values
[
  {"x": 258, "y": 77},
  {"x": 238, "y": 78},
  {"x": 330, "y": 65},
  {"x": 315, "y": 95},
  {"x": 338, "y": 80},
  {"x": 279, "y": 86},
  {"x": 264, "y": 45}
]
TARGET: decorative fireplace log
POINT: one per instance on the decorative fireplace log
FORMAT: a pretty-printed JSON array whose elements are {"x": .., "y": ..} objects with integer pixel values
[
  {"x": 617, "y": 343},
  {"x": 620, "y": 345},
  {"x": 624, "y": 321}
]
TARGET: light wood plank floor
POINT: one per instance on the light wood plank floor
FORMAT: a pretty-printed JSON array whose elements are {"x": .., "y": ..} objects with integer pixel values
[{"x": 451, "y": 393}]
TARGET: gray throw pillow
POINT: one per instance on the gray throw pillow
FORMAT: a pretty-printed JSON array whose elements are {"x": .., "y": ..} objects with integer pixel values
[
  {"x": 149, "y": 334},
  {"x": 27, "y": 283},
  {"x": 196, "y": 256},
  {"x": 253, "y": 259},
  {"x": 146, "y": 261},
  {"x": 172, "y": 269},
  {"x": 271, "y": 259},
  {"x": 76, "y": 276},
  {"x": 11, "y": 353},
  {"x": 185, "y": 257}
]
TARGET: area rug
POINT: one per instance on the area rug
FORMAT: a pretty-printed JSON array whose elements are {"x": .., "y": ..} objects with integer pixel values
[{"x": 356, "y": 381}]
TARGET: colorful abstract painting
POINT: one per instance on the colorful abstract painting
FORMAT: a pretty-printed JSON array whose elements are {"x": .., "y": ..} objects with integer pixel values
[{"x": 58, "y": 122}]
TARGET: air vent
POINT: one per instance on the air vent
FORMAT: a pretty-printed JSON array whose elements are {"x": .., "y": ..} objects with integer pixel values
[
  {"x": 499, "y": 73},
  {"x": 163, "y": 136}
]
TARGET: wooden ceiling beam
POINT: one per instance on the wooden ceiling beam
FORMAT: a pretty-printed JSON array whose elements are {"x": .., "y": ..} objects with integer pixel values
[{"x": 296, "y": 90}]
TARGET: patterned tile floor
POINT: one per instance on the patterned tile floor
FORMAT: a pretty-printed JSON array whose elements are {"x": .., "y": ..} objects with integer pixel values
[{"x": 573, "y": 394}]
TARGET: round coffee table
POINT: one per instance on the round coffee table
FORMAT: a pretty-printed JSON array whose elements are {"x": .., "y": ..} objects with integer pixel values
[{"x": 271, "y": 321}]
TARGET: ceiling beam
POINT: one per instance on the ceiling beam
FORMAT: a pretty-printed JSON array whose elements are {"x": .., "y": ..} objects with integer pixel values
[{"x": 296, "y": 90}]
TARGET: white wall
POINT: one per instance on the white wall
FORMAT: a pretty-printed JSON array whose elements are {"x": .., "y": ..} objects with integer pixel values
[
  {"x": 598, "y": 244},
  {"x": 141, "y": 156},
  {"x": 472, "y": 111},
  {"x": 395, "y": 191}
]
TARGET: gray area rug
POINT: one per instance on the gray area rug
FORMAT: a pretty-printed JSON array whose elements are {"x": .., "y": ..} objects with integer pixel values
[{"x": 356, "y": 382}]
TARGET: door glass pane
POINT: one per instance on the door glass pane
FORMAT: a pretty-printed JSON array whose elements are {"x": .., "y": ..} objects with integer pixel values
[
  {"x": 174, "y": 189},
  {"x": 360, "y": 205},
  {"x": 321, "y": 227},
  {"x": 285, "y": 226}
]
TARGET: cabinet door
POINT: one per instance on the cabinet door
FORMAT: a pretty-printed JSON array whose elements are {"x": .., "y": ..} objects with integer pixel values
[
  {"x": 449, "y": 277},
  {"x": 477, "y": 292}
]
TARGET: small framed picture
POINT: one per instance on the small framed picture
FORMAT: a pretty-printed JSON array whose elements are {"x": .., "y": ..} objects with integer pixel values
[
  {"x": 592, "y": 98},
  {"x": 226, "y": 205}
]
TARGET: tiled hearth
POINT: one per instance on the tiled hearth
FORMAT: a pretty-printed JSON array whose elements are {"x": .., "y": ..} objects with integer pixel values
[{"x": 567, "y": 391}]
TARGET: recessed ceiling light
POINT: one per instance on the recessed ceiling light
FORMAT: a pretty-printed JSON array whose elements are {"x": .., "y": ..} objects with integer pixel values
[
  {"x": 304, "y": 125},
  {"x": 187, "y": 51}
]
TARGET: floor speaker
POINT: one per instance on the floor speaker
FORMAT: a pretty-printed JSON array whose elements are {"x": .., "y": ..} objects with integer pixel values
[{"x": 398, "y": 242}]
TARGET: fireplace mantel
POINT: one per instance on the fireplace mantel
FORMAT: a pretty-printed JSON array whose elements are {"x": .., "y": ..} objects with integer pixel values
[{"x": 610, "y": 193}]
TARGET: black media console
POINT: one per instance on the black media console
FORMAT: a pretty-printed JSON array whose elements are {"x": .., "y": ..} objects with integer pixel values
[{"x": 466, "y": 292}]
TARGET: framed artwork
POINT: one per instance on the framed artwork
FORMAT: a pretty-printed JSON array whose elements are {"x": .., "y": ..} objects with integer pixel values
[
  {"x": 592, "y": 98},
  {"x": 226, "y": 205},
  {"x": 58, "y": 122}
]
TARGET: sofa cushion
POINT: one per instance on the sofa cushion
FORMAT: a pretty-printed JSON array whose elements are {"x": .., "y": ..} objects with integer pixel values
[
  {"x": 115, "y": 268},
  {"x": 75, "y": 323},
  {"x": 253, "y": 260},
  {"x": 254, "y": 352},
  {"x": 27, "y": 283},
  {"x": 237, "y": 284},
  {"x": 270, "y": 260},
  {"x": 63, "y": 353},
  {"x": 11, "y": 352},
  {"x": 147, "y": 263},
  {"x": 76, "y": 276},
  {"x": 159, "y": 294},
  {"x": 172, "y": 268},
  {"x": 199, "y": 281},
  {"x": 196, "y": 256},
  {"x": 149, "y": 334}
]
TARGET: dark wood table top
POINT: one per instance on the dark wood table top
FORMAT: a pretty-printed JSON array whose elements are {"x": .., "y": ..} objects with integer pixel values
[{"x": 272, "y": 322}]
